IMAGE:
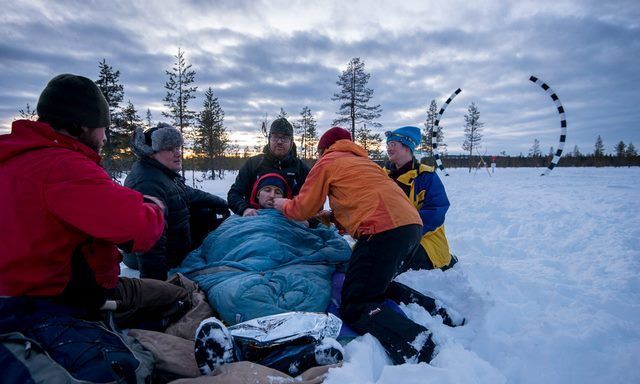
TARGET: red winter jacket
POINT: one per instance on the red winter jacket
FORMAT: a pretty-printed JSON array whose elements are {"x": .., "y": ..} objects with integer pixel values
[{"x": 56, "y": 199}]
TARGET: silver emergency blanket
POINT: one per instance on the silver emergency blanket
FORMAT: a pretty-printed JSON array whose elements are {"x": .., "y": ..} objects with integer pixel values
[{"x": 284, "y": 327}]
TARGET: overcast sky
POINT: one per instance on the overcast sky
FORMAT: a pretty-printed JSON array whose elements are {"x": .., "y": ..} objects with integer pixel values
[{"x": 259, "y": 56}]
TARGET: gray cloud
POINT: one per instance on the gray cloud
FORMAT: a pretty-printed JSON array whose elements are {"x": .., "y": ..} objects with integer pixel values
[{"x": 257, "y": 62}]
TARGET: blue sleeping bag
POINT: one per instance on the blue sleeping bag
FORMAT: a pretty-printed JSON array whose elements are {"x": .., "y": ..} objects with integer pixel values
[{"x": 264, "y": 265}]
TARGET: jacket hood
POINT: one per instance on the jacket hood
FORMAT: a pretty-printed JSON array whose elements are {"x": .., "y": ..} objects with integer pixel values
[
  {"x": 347, "y": 146},
  {"x": 253, "y": 201},
  {"x": 27, "y": 135}
]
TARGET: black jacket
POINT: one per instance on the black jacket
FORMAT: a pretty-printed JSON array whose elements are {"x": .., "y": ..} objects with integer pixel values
[
  {"x": 293, "y": 169},
  {"x": 149, "y": 177}
]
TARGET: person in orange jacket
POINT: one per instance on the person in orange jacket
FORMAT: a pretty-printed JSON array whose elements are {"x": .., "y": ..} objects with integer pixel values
[{"x": 375, "y": 211}]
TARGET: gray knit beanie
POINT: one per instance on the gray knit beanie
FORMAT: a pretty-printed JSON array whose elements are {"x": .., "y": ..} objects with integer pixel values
[{"x": 156, "y": 139}]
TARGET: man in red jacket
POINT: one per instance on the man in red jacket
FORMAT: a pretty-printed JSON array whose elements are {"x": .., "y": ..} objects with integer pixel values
[{"x": 61, "y": 217}]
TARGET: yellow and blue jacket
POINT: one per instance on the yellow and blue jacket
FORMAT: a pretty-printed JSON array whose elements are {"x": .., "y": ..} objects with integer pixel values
[{"x": 426, "y": 192}]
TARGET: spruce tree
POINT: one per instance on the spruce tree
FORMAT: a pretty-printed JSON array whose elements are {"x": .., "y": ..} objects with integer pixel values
[
  {"x": 620, "y": 149},
  {"x": 429, "y": 124},
  {"x": 369, "y": 141},
  {"x": 28, "y": 113},
  {"x": 210, "y": 136},
  {"x": 283, "y": 114},
  {"x": 148, "y": 119},
  {"x": 354, "y": 97},
  {"x": 109, "y": 83},
  {"x": 306, "y": 130},
  {"x": 598, "y": 147},
  {"x": 534, "y": 151},
  {"x": 472, "y": 131},
  {"x": 179, "y": 91},
  {"x": 631, "y": 150},
  {"x": 128, "y": 123}
]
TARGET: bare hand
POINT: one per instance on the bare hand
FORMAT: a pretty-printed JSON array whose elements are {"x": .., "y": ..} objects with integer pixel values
[
  {"x": 250, "y": 212},
  {"x": 278, "y": 202},
  {"x": 324, "y": 217},
  {"x": 155, "y": 201}
]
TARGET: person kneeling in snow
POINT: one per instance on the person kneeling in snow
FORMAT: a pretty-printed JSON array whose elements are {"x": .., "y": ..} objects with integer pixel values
[
  {"x": 426, "y": 192},
  {"x": 368, "y": 204}
]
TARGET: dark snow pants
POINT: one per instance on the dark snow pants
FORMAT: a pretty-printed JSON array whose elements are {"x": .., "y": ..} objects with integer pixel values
[
  {"x": 375, "y": 261},
  {"x": 44, "y": 341}
]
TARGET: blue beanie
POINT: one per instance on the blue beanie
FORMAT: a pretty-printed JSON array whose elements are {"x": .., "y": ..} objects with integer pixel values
[{"x": 409, "y": 136}]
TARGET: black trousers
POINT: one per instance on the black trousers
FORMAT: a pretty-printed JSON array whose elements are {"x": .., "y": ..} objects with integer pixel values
[{"x": 375, "y": 261}]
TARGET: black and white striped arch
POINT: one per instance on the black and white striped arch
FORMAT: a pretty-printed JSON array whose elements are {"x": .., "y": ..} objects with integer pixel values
[
  {"x": 436, "y": 151},
  {"x": 563, "y": 123}
]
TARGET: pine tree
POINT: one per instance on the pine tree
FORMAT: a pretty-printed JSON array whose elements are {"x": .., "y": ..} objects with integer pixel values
[
  {"x": 355, "y": 96},
  {"x": 429, "y": 124},
  {"x": 179, "y": 92},
  {"x": 109, "y": 83},
  {"x": 369, "y": 141},
  {"x": 304, "y": 126},
  {"x": 472, "y": 131},
  {"x": 631, "y": 150},
  {"x": 283, "y": 114},
  {"x": 598, "y": 148},
  {"x": 148, "y": 118},
  {"x": 534, "y": 151},
  {"x": 210, "y": 136},
  {"x": 28, "y": 113},
  {"x": 621, "y": 149},
  {"x": 129, "y": 122},
  {"x": 311, "y": 139}
]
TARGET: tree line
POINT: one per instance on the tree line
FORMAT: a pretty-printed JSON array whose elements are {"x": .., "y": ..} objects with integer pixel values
[{"x": 210, "y": 149}]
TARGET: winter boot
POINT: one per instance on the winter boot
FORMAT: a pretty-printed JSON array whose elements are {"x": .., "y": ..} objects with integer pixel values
[
  {"x": 214, "y": 346},
  {"x": 294, "y": 359},
  {"x": 424, "y": 346},
  {"x": 399, "y": 292},
  {"x": 329, "y": 352}
]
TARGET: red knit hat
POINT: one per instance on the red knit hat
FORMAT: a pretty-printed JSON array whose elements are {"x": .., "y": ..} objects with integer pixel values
[{"x": 331, "y": 136}]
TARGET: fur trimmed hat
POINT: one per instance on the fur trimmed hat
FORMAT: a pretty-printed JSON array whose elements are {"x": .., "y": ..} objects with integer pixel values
[
  {"x": 74, "y": 99},
  {"x": 409, "y": 136},
  {"x": 281, "y": 126},
  {"x": 156, "y": 139},
  {"x": 331, "y": 136}
]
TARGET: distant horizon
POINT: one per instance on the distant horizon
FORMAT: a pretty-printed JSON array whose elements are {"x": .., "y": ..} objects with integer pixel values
[{"x": 259, "y": 57}]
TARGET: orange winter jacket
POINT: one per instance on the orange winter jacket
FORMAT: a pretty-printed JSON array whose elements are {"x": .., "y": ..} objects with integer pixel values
[{"x": 364, "y": 200}]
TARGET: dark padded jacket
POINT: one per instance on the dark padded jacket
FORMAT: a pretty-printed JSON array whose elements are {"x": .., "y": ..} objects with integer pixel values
[
  {"x": 293, "y": 169},
  {"x": 150, "y": 177}
]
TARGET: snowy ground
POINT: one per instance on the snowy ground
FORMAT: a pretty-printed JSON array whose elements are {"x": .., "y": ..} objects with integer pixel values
[{"x": 548, "y": 279}]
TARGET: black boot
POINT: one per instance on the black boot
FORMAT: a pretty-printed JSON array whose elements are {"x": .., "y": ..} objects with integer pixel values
[
  {"x": 401, "y": 293},
  {"x": 214, "y": 346}
]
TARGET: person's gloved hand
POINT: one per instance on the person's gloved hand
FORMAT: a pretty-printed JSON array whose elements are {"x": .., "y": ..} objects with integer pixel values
[{"x": 223, "y": 210}]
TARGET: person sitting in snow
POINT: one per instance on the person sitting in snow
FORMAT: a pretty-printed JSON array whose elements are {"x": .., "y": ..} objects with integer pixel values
[
  {"x": 426, "y": 192},
  {"x": 62, "y": 217},
  {"x": 280, "y": 157},
  {"x": 388, "y": 229},
  {"x": 190, "y": 213}
]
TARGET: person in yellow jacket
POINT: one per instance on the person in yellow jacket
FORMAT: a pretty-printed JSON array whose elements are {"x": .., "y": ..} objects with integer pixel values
[
  {"x": 375, "y": 211},
  {"x": 426, "y": 192}
]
